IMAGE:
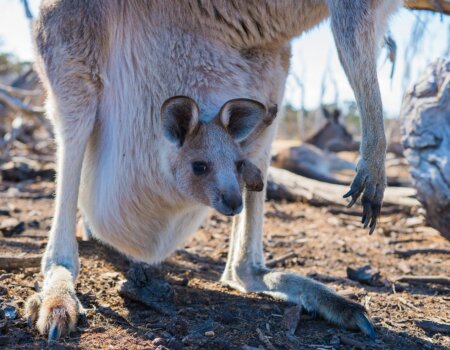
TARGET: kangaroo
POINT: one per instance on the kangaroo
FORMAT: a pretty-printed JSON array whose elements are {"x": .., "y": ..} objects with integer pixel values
[
  {"x": 333, "y": 135},
  {"x": 143, "y": 166}
]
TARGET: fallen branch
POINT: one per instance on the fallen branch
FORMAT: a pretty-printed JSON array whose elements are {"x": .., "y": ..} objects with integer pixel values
[
  {"x": 433, "y": 327},
  {"x": 411, "y": 252},
  {"x": 354, "y": 212},
  {"x": 410, "y": 240},
  {"x": 17, "y": 262},
  {"x": 425, "y": 279},
  {"x": 281, "y": 259},
  {"x": 300, "y": 188},
  {"x": 20, "y": 93},
  {"x": 16, "y": 105}
]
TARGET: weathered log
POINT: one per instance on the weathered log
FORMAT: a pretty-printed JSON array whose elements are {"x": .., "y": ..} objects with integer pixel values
[
  {"x": 433, "y": 327},
  {"x": 411, "y": 252},
  {"x": 11, "y": 262},
  {"x": 425, "y": 118},
  {"x": 425, "y": 279},
  {"x": 299, "y": 188}
]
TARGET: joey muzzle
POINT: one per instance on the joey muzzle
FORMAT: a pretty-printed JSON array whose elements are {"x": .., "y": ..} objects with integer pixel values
[{"x": 231, "y": 203}]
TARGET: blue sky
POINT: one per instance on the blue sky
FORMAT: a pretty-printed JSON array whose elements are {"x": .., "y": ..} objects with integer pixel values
[{"x": 313, "y": 53}]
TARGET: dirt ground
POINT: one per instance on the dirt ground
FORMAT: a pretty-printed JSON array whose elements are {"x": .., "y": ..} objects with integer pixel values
[{"x": 321, "y": 242}]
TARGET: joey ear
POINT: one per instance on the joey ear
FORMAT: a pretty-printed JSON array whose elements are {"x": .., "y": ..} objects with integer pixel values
[
  {"x": 241, "y": 116},
  {"x": 179, "y": 117},
  {"x": 252, "y": 177}
]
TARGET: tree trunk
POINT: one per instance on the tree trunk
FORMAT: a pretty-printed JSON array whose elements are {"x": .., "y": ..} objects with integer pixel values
[{"x": 425, "y": 121}]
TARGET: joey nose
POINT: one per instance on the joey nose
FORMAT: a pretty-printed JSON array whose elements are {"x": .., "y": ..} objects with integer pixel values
[{"x": 233, "y": 202}]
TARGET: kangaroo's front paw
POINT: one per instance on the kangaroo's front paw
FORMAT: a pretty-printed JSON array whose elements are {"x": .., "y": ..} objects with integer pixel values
[
  {"x": 55, "y": 310},
  {"x": 370, "y": 181}
]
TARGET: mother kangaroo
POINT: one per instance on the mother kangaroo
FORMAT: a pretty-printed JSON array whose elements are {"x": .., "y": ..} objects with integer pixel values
[{"x": 161, "y": 109}]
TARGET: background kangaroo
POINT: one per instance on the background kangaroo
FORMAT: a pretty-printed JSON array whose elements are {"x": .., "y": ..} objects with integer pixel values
[{"x": 143, "y": 176}]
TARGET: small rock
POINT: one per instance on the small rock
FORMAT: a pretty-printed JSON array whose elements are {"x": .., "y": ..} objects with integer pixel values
[
  {"x": 5, "y": 212},
  {"x": 210, "y": 334},
  {"x": 10, "y": 311},
  {"x": 34, "y": 224},
  {"x": 11, "y": 226},
  {"x": 156, "y": 294},
  {"x": 159, "y": 341},
  {"x": 364, "y": 274}
]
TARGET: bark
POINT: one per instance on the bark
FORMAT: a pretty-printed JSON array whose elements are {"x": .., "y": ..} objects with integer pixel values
[{"x": 425, "y": 119}]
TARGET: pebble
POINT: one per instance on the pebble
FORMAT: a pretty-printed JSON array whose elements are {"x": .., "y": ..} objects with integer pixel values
[
  {"x": 5, "y": 212},
  {"x": 12, "y": 226},
  {"x": 210, "y": 334},
  {"x": 159, "y": 341},
  {"x": 10, "y": 312}
]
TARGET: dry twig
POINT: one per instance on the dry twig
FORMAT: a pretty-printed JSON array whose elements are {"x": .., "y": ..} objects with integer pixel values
[
  {"x": 281, "y": 259},
  {"x": 425, "y": 279},
  {"x": 411, "y": 252},
  {"x": 433, "y": 327}
]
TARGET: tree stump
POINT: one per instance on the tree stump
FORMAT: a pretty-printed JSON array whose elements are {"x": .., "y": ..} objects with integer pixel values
[{"x": 425, "y": 118}]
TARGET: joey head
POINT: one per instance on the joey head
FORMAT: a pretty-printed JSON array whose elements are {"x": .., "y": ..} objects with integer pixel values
[{"x": 208, "y": 160}]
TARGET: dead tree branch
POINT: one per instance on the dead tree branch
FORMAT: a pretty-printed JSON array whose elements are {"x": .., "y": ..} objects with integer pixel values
[
  {"x": 425, "y": 279},
  {"x": 300, "y": 188},
  {"x": 16, "y": 105},
  {"x": 16, "y": 262}
]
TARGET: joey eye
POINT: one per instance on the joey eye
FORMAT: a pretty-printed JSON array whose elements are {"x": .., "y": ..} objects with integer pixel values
[
  {"x": 199, "y": 168},
  {"x": 240, "y": 165}
]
